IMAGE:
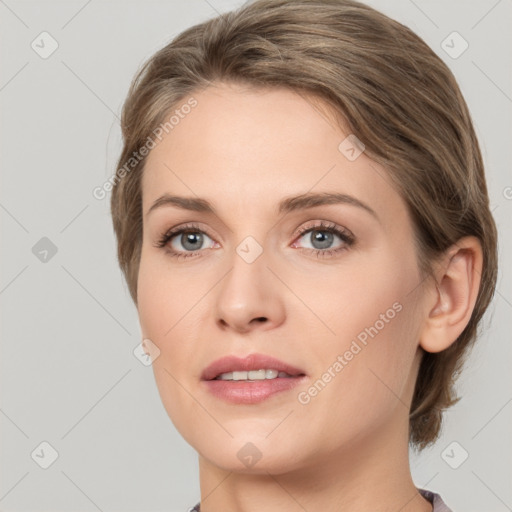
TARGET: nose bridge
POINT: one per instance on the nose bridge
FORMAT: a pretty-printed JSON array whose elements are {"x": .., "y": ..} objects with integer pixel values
[
  {"x": 248, "y": 292},
  {"x": 246, "y": 279}
]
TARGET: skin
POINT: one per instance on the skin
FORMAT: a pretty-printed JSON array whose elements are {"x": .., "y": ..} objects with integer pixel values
[{"x": 244, "y": 150}]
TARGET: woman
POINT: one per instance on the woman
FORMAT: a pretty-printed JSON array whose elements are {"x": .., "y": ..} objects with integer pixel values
[{"x": 303, "y": 222}]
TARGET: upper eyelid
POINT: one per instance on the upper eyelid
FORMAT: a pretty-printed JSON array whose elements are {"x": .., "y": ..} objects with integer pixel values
[
  {"x": 324, "y": 225},
  {"x": 187, "y": 227}
]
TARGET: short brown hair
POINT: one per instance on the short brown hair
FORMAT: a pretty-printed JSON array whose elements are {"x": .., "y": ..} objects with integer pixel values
[{"x": 390, "y": 89}]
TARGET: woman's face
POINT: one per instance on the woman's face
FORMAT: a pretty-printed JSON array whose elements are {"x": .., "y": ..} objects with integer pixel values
[{"x": 331, "y": 290}]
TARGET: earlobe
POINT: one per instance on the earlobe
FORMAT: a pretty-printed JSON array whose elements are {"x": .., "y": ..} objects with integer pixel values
[{"x": 454, "y": 295}]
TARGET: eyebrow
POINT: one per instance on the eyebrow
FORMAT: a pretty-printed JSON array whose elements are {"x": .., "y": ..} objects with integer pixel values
[{"x": 287, "y": 205}]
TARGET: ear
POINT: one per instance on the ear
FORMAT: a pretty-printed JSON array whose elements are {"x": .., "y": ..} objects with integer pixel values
[{"x": 453, "y": 295}]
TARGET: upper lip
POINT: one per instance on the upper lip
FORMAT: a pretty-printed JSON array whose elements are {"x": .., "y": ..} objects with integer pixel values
[{"x": 250, "y": 362}]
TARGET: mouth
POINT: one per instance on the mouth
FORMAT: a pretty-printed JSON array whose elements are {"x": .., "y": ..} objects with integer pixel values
[
  {"x": 252, "y": 367},
  {"x": 250, "y": 380},
  {"x": 253, "y": 375}
]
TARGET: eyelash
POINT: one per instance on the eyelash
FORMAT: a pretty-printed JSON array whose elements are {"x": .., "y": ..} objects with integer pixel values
[{"x": 344, "y": 234}]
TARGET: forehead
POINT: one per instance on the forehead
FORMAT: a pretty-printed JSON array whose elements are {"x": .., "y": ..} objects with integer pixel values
[
  {"x": 241, "y": 125},
  {"x": 251, "y": 147}
]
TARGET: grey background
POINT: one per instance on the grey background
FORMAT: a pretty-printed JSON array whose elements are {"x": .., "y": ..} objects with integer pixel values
[{"x": 69, "y": 376}]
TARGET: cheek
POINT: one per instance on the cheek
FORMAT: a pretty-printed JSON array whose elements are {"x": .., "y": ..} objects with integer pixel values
[
  {"x": 165, "y": 308},
  {"x": 369, "y": 299},
  {"x": 387, "y": 316},
  {"x": 174, "y": 306},
  {"x": 151, "y": 302},
  {"x": 374, "y": 317},
  {"x": 165, "y": 298},
  {"x": 371, "y": 383}
]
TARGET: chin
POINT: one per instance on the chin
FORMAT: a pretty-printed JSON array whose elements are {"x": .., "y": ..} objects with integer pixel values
[
  {"x": 245, "y": 453},
  {"x": 250, "y": 462}
]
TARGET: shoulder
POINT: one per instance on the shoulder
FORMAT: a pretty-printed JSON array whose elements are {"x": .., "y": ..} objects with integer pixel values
[{"x": 438, "y": 505}]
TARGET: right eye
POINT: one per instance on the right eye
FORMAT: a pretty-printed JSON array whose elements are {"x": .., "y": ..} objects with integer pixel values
[{"x": 191, "y": 239}]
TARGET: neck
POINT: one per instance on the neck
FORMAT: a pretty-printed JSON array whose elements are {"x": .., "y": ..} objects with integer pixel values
[{"x": 373, "y": 473}]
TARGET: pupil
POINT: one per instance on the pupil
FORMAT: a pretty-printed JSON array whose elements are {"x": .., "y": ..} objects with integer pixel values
[
  {"x": 324, "y": 238},
  {"x": 191, "y": 238}
]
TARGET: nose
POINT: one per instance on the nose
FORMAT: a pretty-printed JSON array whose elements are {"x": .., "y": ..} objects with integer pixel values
[{"x": 249, "y": 297}]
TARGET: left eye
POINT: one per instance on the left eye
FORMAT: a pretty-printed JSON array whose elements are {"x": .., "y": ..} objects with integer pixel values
[{"x": 322, "y": 237}]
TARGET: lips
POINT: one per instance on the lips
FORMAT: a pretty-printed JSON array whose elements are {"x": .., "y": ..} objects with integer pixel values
[{"x": 252, "y": 362}]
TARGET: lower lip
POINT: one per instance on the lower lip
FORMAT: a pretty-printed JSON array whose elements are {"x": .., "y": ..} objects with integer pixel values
[{"x": 247, "y": 392}]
